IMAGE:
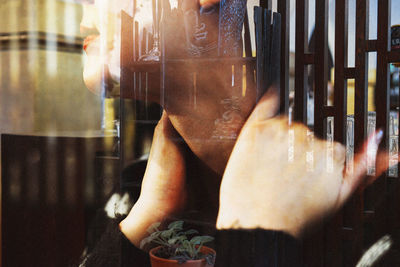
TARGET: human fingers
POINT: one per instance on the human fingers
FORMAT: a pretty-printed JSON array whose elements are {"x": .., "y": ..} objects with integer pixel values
[
  {"x": 382, "y": 164},
  {"x": 352, "y": 181},
  {"x": 266, "y": 107},
  {"x": 163, "y": 191}
]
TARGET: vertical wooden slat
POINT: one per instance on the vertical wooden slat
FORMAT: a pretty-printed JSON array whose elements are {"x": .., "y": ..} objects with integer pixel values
[
  {"x": 333, "y": 229},
  {"x": 321, "y": 64},
  {"x": 144, "y": 76},
  {"x": 248, "y": 53},
  {"x": 300, "y": 112},
  {"x": 127, "y": 80},
  {"x": 275, "y": 56},
  {"x": 163, "y": 65},
  {"x": 247, "y": 36},
  {"x": 136, "y": 53},
  {"x": 79, "y": 182},
  {"x": 341, "y": 56},
  {"x": 60, "y": 152},
  {"x": 266, "y": 48},
  {"x": 382, "y": 76},
  {"x": 127, "y": 48},
  {"x": 284, "y": 10},
  {"x": 135, "y": 41},
  {"x": 314, "y": 246},
  {"x": 258, "y": 14},
  {"x": 44, "y": 181},
  {"x": 361, "y": 79},
  {"x": 128, "y": 53},
  {"x": 354, "y": 210},
  {"x": 383, "y": 105},
  {"x": 333, "y": 242}
]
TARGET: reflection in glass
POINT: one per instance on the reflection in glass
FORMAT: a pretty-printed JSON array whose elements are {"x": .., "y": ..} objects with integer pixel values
[
  {"x": 393, "y": 144},
  {"x": 154, "y": 54},
  {"x": 371, "y": 125},
  {"x": 330, "y": 138},
  {"x": 350, "y": 144},
  {"x": 393, "y": 121}
]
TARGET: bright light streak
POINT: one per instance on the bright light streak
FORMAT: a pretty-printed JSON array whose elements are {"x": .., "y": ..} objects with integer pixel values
[
  {"x": 32, "y": 41},
  {"x": 51, "y": 45},
  {"x": 70, "y": 20},
  {"x": 14, "y": 53},
  {"x": 173, "y": 3}
]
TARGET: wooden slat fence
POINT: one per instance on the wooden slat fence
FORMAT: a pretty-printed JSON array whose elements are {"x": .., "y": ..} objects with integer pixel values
[{"x": 370, "y": 215}]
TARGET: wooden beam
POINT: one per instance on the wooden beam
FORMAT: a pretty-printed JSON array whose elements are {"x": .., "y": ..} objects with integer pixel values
[
  {"x": 284, "y": 10},
  {"x": 321, "y": 64},
  {"x": 300, "y": 106}
]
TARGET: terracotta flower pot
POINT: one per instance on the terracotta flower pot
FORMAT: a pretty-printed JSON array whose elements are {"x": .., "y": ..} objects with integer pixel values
[{"x": 161, "y": 262}]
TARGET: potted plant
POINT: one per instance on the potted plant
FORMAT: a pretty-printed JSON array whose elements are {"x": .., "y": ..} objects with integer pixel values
[{"x": 178, "y": 247}]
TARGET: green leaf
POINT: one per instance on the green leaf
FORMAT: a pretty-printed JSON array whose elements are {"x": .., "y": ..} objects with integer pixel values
[
  {"x": 176, "y": 239},
  {"x": 197, "y": 240},
  {"x": 177, "y": 225},
  {"x": 153, "y": 227},
  {"x": 186, "y": 245},
  {"x": 145, "y": 241},
  {"x": 190, "y": 232},
  {"x": 155, "y": 234},
  {"x": 167, "y": 233},
  {"x": 172, "y": 240},
  {"x": 206, "y": 238}
]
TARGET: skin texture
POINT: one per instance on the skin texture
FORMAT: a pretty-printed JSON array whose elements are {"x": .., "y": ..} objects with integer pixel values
[
  {"x": 293, "y": 197},
  {"x": 202, "y": 125},
  {"x": 164, "y": 186}
]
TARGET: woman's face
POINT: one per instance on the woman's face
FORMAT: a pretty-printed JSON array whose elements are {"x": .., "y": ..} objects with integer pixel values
[{"x": 101, "y": 23}]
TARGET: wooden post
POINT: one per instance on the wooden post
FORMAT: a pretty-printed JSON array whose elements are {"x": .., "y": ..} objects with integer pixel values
[
  {"x": 321, "y": 65},
  {"x": 284, "y": 10},
  {"x": 300, "y": 112}
]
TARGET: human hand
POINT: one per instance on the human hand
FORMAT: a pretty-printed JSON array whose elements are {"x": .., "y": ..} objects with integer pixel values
[
  {"x": 163, "y": 190},
  {"x": 267, "y": 183},
  {"x": 208, "y": 109}
]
